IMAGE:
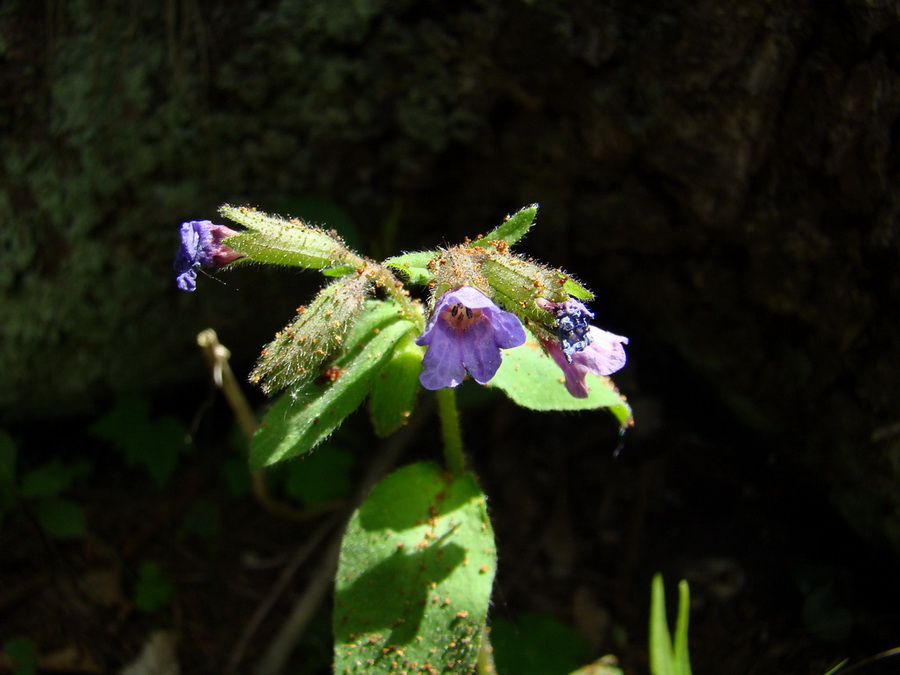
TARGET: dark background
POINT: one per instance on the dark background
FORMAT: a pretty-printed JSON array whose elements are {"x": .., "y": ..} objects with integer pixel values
[{"x": 724, "y": 175}]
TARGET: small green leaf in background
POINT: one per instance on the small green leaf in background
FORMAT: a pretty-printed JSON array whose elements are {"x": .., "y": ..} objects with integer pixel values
[
  {"x": 237, "y": 476},
  {"x": 321, "y": 475},
  {"x": 152, "y": 444},
  {"x": 22, "y": 653},
  {"x": 533, "y": 380},
  {"x": 203, "y": 520},
  {"x": 51, "y": 478},
  {"x": 304, "y": 418},
  {"x": 153, "y": 589},
  {"x": 414, "y": 577},
  {"x": 513, "y": 229},
  {"x": 61, "y": 518},
  {"x": 536, "y": 644},
  {"x": 668, "y": 657},
  {"x": 395, "y": 388}
]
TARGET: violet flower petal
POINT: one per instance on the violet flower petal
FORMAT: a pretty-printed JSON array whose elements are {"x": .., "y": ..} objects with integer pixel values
[
  {"x": 465, "y": 334},
  {"x": 603, "y": 356},
  {"x": 201, "y": 246}
]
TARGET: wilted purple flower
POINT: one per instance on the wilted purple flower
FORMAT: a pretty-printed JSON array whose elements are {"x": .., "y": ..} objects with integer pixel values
[
  {"x": 201, "y": 246},
  {"x": 603, "y": 355},
  {"x": 465, "y": 334},
  {"x": 582, "y": 348}
]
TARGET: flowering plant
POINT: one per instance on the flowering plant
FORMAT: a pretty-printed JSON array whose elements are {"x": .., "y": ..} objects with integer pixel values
[{"x": 417, "y": 560}]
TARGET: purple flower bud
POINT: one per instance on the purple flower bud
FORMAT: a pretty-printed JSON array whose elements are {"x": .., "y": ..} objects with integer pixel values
[
  {"x": 201, "y": 246},
  {"x": 465, "y": 335},
  {"x": 603, "y": 355}
]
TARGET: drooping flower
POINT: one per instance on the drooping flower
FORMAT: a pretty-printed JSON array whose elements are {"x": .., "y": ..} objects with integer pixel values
[
  {"x": 201, "y": 246},
  {"x": 465, "y": 335},
  {"x": 603, "y": 356},
  {"x": 582, "y": 348}
]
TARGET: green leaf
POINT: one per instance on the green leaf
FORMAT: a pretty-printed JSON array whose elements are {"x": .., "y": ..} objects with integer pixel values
[
  {"x": 321, "y": 475},
  {"x": 295, "y": 356},
  {"x": 277, "y": 241},
  {"x": 22, "y": 653},
  {"x": 536, "y": 644},
  {"x": 52, "y": 478},
  {"x": 533, "y": 380},
  {"x": 414, "y": 577},
  {"x": 61, "y": 518},
  {"x": 414, "y": 266},
  {"x": 576, "y": 290},
  {"x": 155, "y": 445},
  {"x": 301, "y": 419},
  {"x": 395, "y": 389},
  {"x": 339, "y": 270},
  {"x": 513, "y": 229},
  {"x": 681, "y": 657},
  {"x": 661, "y": 661},
  {"x": 153, "y": 589}
]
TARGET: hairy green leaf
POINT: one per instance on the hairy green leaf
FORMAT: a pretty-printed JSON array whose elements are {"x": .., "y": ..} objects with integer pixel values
[
  {"x": 414, "y": 578},
  {"x": 296, "y": 354},
  {"x": 533, "y": 380},
  {"x": 303, "y": 418},
  {"x": 277, "y": 241},
  {"x": 512, "y": 229},
  {"x": 413, "y": 266}
]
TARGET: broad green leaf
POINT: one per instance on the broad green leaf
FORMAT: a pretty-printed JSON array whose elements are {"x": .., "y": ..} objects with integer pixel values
[
  {"x": 413, "y": 266},
  {"x": 533, "y": 380},
  {"x": 513, "y": 228},
  {"x": 277, "y": 241},
  {"x": 660, "y": 647},
  {"x": 61, "y": 518},
  {"x": 536, "y": 644},
  {"x": 301, "y": 419},
  {"x": 395, "y": 389},
  {"x": 414, "y": 577}
]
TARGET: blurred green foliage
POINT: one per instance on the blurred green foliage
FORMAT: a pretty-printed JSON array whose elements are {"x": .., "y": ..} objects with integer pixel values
[
  {"x": 153, "y": 589},
  {"x": 536, "y": 644},
  {"x": 153, "y": 444}
]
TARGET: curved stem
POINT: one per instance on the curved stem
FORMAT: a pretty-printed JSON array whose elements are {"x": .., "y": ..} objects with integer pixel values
[{"x": 450, "y": 430}]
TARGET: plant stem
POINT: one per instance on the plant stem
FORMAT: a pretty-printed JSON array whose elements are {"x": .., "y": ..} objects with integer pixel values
[
  {"x": 453, "y": 452},
  {"x": 485, "y": 664}
]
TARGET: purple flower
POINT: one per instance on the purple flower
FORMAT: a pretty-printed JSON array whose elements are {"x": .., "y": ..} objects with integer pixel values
[
  {"x": 201, "y": 246},
  {"x": 582, "y": 348},
  {"x": 465, "y": 335},
  {"x": 604, "y": 355}
]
